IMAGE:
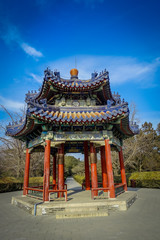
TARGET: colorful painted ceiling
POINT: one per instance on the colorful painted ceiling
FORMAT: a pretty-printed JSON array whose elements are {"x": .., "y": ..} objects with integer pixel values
[{"x": 62, "y": 104}]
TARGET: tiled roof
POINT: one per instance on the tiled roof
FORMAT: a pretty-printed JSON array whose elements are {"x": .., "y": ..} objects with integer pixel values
[
  {"x": 80, "y": 115},
  {"x": 39, "y": 112},
  {"x": 53, "y": 82},
  {"x": 71, "y": 116}
]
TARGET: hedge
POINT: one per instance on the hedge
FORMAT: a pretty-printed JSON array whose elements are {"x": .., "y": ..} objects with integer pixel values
[
  {"x": 145, "y": 179},
  {"x": 80, "y": 179},
  {"x": 142, "y": 179},
  {"x": 8, "y": 184}
]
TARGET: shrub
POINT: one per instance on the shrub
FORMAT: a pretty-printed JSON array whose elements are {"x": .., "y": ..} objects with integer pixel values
[
  {"x": 145, "y": 179},
  {"x": 142, "y": 179},
  {"x": 8, "y": 184},
  {"x": 80, "y": 179}
]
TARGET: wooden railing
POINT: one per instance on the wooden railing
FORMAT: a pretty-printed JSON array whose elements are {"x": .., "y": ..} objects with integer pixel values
[
  {"x": 98, "y": 189},
  {"x": 84, "y": 184},
  {"x": 58, "y": 191},
  {"x": 116, "y": 185},
  {"x": 55, "y": 186},
  {"x": 119, "y": 185}
]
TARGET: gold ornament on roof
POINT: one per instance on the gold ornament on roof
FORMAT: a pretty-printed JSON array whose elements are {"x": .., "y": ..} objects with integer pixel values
[{"x": 74, "y": 73}]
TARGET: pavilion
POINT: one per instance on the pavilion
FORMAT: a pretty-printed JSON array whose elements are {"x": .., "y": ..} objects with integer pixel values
[{"x": 73, "y": 115}]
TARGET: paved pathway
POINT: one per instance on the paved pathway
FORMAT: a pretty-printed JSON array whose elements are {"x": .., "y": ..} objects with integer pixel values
[
  {"x": 72, "y": 184},
  {"x": 141, "y": 221}
]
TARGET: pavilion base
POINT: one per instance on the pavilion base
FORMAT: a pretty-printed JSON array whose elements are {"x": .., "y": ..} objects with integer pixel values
[{"x": 80, "y": 205}]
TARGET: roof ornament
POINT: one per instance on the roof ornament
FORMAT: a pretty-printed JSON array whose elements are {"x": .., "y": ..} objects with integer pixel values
[
  {"x": 74, "y": 73},
  {"x": 94, "y": 75},
  {"x": 117, "y": 98},
  {"x": 48, "y": 74},
  {"x": 56, "y": 73},
  {"x": 109, "y": 103},
  {"x": 43, "y": 102}
]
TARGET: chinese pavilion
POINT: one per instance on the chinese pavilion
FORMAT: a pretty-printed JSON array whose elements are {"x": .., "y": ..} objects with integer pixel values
[{"x": 73, "y": 115}]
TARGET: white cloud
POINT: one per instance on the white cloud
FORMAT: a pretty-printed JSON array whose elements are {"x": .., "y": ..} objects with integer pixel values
[
  {"x": 37, "y": 78},
  {"x": 121, "y": 69},
  {"x": 30, "y": 50},
  {"x": 11, "y": 104},
  {"x": 11, "y": 35}
]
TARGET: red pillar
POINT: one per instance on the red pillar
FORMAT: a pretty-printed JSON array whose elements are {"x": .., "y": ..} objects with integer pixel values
[
  {"x": 93, "y": 158},
  {"x": 26, "y": 172},
  {"x": 123, "y": 175},
  {"x": 61, "y": 169},
  {"x": 87, "y": 178},
  {"x": 109, "y": 168},
  {"x": 54, "y": 171},
  {"x": 46, "y": 179},
  {"x": 104, "y": 168}
]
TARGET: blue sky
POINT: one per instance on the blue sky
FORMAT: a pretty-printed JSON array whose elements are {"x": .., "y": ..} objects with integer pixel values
[{"x": 119, "y": 35}]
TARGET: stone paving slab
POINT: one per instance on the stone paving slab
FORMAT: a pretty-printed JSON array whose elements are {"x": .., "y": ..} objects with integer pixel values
[{"x": 141, "y": 221}]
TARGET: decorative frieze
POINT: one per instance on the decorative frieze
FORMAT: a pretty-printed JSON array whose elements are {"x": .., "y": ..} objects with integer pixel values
[
  {"x": 80, "y": 136},
  {"x": 35, "y": 142},
  {"x": 61, "y": 137}
]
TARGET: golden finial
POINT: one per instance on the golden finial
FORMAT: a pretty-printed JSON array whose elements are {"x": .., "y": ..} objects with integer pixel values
[{"x": 74, "y": 73}]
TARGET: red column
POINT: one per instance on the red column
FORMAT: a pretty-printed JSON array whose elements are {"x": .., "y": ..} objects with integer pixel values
[
  {"x": 61, "y": 169},
  {"x": 93, "y": 158},
  {"x": 109, "y": 168},
  {"x": 104, "y": 168},
  {"x": 54, "y": 171},
  {"x": 26, "y": 173},
  {"x": 46, "y": 179},
  {"x": 87, "y": 178},
  {"x": 123, "y": 175}
]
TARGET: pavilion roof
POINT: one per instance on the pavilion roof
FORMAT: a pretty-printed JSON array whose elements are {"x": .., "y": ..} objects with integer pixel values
[
  {"x": 54, "y": 84},
  {"x": 70, "y": 116},
  {"x": 39, "y": 112}
]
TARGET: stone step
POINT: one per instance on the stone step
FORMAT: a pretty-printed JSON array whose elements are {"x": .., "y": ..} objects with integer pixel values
[
  {"x": 62, "y": 215},
  {"x": 69, "y": 209},
  {"x": 81, "y": 209}
]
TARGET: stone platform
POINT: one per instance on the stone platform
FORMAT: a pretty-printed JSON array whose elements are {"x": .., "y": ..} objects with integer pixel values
[{"x": 79, "y": 204}]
